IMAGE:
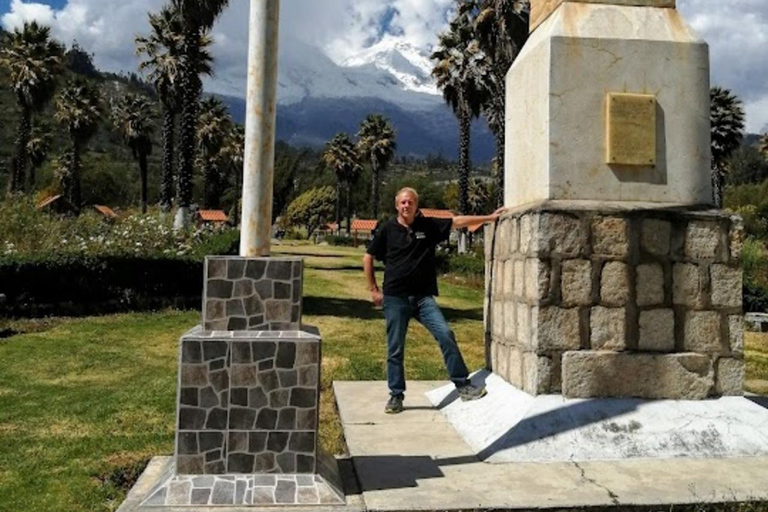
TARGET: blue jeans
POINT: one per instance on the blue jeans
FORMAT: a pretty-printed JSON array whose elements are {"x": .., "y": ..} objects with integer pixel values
[{"x": 398, "y": 312}]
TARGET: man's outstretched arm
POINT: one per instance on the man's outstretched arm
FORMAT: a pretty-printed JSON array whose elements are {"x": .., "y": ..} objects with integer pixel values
[
  {"x": 370, "y": 277},
  {"x": 464, "y": 221}
]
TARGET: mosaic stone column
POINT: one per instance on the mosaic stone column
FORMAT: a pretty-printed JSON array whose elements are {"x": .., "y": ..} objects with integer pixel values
[{"x": 248, "y": 395}]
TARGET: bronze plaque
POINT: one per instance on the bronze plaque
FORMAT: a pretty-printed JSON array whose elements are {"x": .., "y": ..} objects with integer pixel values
[{"x": 631, "y": 129}]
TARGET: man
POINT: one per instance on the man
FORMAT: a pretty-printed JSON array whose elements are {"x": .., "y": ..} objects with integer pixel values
[{"x": 406, "y": 245}]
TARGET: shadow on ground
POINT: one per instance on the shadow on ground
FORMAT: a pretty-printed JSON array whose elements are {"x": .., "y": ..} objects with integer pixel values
[{"x": 364, "y": 310}]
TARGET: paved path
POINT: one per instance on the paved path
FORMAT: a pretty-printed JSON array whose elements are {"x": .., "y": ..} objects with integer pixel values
[{"x": 417, "y": 461}]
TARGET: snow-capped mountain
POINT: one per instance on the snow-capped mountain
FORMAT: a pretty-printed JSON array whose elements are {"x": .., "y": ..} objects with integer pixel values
[
  {"x": 393, "y": 72},
  {"x": 318, "y": 98},
  {"x": 409, "y": 64}
]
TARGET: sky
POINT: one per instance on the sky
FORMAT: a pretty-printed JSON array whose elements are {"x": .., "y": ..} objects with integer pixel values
[{"x": 736, "y": 30}]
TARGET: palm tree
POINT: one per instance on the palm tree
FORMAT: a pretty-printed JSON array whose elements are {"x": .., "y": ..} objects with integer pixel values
[
  {"x": 34, "y": 61},
  {"x": 213, "y": 127},
  {"x": 232, "y": 157},
  {"x": 341, "y": 155},
  {"x": 163, "y": 51},
  {"x": 133, "y": 117},
  {"x": 78, "y": 108},
  {"x": 763, "y": 145},
  {"x": 198, "y": 17},
  {"x": 727, "y": 119},
  {"x": 37, "y": 152},
  {"x": 377, "y": 144},
  {"x": 462, "y": 73},
  {"x": 502, "y": 30}
]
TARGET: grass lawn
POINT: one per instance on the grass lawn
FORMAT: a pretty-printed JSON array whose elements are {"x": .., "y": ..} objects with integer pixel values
[{"x": 84, "y": 403}]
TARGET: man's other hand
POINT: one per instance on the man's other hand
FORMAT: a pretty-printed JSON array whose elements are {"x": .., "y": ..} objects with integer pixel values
[{"x": 377, "y": 298}]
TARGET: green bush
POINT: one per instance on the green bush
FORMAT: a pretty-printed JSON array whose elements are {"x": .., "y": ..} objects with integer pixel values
[
  {"x": 468, "y": 265},
  {"x": 754, "y": 262},
  {"x": 341, "y": 240},
  {"x": 55, "y": 265}
]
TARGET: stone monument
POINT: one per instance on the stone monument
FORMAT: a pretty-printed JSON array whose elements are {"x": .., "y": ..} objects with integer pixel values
[
  {"x": 611, "y": 276},
  {"x": 249, "y": 377}
]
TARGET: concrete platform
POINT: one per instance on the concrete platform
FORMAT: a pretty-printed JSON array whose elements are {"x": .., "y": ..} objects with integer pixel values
[{"x": 418, "y": 461}]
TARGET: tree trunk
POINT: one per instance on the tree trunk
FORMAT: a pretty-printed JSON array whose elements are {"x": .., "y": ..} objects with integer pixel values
[
  {"x": 190, "y": 91},
  {"x": 32, "y": 181},
  {"x": 76, "y": 198},
  {"x": 208, "y": 186},
  {"x": 143, "y": 171},
  {"x": 465, "y": 123},
  {"x": 374, "y": 187},
  {"x": 718, "y": 184},
  {"x": 18, "y": 165},
  {"x": 500, "y": 154},
  {"x": 182, "y": 221},
  {"x": 166, "y": 188},
  {"x": 349, "y": 209},
  {"x": 338, "y": 207}
]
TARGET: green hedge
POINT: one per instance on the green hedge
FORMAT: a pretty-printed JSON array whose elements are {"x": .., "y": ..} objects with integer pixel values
[
  {"x": 469, "y": 265},
  {"x": 76, "y": 285}
]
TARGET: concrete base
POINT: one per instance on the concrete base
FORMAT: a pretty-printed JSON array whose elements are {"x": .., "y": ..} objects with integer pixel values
[
  {"x": 159, "y": 475},
  {"x": 417, "y": 461},
  {"x": 510, "y": 425}
]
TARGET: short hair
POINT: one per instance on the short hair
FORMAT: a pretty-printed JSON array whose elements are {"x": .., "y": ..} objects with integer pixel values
[{"x": 407, "y": 190}]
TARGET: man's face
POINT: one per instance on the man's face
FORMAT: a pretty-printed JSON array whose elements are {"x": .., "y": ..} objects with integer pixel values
[{"x": 406, "y": 206}]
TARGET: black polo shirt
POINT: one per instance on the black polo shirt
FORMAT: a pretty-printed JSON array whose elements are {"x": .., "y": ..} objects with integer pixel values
[{"x": 409, "y": 254}]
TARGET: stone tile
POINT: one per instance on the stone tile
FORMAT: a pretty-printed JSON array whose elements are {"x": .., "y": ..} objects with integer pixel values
[
  {"x": 702, "y": 332},
  {"x": 201, "y": 496},
  {"x": 215, "y": 309},
  {"x": 263, "y": 496},
  {"x": 687, "y": 285},
  {"x": 223, "y": 493},
  {"x": 523, "y": 325},
  {"x": 655, "y": 236},
  {"x": 255, "y": 269},
  {"x": 558, "y": 328},
  {"x": 591, "y": 374},
  {"x": 518, "y": 281},
  {"x": 614, "y": 284},
  {"x": 280, "y": 270},
  {"x": 216, "y": 268},
  {"x": 730, "y": 377},
  {"x": 736, "y": 334},
  {"x": 506, "y": 279},
  {"x": 537, "y": 373},
  {"x": 536, "y": 280},
  {"x": 726, "y": 286},
  {"x": 650, "y": 285},
  {"x": 235, "y": 269},
  {"x": 179, "y": 493},
  {"x": 576, "y": 283},
  {"x": 307, "y": 353},
  {"x": 219, "y": 289},
  {"x": 559, "y": 234},
  {"x": 285, "y": 492},
  {"x": 240, "y": 463},
  {"x": 608, "y": 328},
  {"x": 610, "y": 236},
  {"x": 702, "y": 240},
  {"x": 243, "y": 288},
  {"x": 657, "y": 330}
]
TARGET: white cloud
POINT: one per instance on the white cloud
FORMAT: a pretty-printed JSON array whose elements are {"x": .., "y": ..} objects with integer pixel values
[{"x": 737, "y": 31}]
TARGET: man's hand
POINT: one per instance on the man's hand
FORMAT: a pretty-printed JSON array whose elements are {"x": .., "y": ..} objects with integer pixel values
[
  {"x": 498, "y": 213},
  {"x": 377, "y": 298}
]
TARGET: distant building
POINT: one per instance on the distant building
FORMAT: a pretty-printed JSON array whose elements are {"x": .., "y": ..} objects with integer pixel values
[
  {"x": 105, "y": 211},
  {"x": 217, "y": 218},
  {"x": 56, "y": 204}
]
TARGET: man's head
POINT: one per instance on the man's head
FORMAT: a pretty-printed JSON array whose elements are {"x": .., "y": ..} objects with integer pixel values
[{"x": 407, "y": 204}]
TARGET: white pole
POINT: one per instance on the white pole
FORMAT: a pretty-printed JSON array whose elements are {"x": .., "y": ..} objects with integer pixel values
[{"x": 260, "y": 119}]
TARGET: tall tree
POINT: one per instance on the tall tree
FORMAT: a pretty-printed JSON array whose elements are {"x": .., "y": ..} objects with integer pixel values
[
  {"x": 37, "y": 151},
  {"x": 763, "y": 145},
  {"x": 502, "y": 30},
  {"x": 198, "y": 17},
  {"x": 727, "y": 120},
  {"x": 162, "y": 53},
  {"x": 213, "y": 127},
  {"x": 78, "y": 108},
  {"x": 462, "y": 72},
  {"x": 232, "y": 158},
  {"x": 377, "y": 144},
  {"x": 34, "y": 61},
  {"x": 341, "y": 155},
  {"x": 133, "y": 117}
]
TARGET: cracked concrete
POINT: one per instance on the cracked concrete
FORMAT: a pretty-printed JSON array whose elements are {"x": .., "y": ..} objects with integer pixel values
[{"x": 417, "y": 461}]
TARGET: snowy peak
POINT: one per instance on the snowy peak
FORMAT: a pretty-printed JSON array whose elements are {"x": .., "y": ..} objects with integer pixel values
[{"x": 410, "y": 65}]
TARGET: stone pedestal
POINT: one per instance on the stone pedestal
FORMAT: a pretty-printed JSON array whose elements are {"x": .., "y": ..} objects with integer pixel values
[
  {"x": 616, "y": 300},
  {"x": 248, "y": 395}
]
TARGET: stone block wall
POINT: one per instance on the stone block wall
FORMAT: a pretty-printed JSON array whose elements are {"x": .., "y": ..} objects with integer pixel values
[
  {"x": 596, "y": 300},
  {"x": 252, "y": 294},
  {"x": 248, "y": 403}
]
